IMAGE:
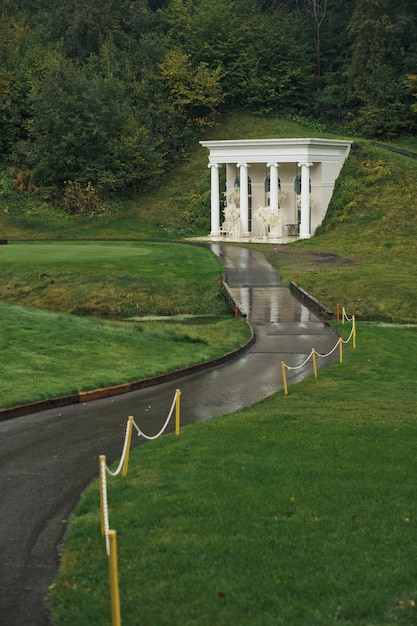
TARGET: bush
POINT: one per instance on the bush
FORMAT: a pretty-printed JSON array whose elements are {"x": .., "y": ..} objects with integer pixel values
[{"x": 80, "y": 200}]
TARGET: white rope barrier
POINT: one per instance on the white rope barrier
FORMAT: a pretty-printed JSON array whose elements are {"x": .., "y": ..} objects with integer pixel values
[
  {"x": 151, "y": 437},
  {"x": 346, "y": 317},
  {"x": 351, "y": 334},
  {"x": 105, "y": 506},
  {"x": 288, "y": 367},
  {"x": 331, "y": 351},
  {"x": 124, "y": 452},
  {"x": 110, "y": 535},
  {"x": 104, "y": 469},
  {"x": 313, "y": 354}
]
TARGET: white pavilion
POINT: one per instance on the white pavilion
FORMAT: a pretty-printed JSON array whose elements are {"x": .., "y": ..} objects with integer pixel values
[{"x": 274, "y": 188}]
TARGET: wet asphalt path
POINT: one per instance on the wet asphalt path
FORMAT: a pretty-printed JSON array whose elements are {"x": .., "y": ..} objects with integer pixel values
[{"x": 47, "y": 459}]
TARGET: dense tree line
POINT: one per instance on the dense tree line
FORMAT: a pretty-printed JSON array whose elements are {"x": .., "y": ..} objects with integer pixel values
[{"x": 110, "y": 92}]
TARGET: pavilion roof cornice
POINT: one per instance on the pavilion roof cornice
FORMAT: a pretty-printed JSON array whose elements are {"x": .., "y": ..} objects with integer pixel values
[{"x": 280, "y": 150}]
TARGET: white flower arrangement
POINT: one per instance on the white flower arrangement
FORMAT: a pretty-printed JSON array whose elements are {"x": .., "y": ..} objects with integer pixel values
[
  {"x": 231, "y": 215},
  {"x": 268, "y": 217},
  {"x": 232, "y": 222},
  {"x": 282, "y": 195},
  {"x": 233, "y": 196}
]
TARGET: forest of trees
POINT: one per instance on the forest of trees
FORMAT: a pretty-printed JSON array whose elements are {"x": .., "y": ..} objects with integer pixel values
[{"x": 108, "y": 94}]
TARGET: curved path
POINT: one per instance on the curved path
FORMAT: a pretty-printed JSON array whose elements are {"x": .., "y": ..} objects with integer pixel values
[{"x": 47, "y": 459}]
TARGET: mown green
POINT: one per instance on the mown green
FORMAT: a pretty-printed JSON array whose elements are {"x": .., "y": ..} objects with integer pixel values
[
  {"x": 156, "y": 307},
  {"x": 111, "y": 279}
]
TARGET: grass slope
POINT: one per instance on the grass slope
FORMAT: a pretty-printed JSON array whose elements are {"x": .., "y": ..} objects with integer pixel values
[
  {"x": 364, "y": 254},
  {"x": 113, "y": 279},
  {"x": 46, "y": 355},
  {"x": 300, "y": 510},
  {"x": 47, "y": 352}
]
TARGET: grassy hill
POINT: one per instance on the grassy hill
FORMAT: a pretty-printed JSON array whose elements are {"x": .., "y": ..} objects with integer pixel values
[
  {"x": 363, "y": 255},
  {"x": 299, "y": 510},
  {"x": 178, "y": 208}
]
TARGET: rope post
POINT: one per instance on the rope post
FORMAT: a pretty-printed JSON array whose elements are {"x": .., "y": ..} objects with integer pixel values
[
  {"x": 236, "y": 311},
  {"x": 354, "y": 331},
  {"x": 337, "y": 313},
  {"x": 102, "y": 469},
  {"x": 284, "y": 378},
  {"x": 218, "y": 280},
  {"x": 128, "y": 442},
  {"x": 313, "y": 354},
  {"x": 343, "y": 315},
  {"x": 341, "y": 350},
  {"x": 114, "y": 580},
  {"x": 177, "y": 411},
  {"x": 296, "y": 278}
]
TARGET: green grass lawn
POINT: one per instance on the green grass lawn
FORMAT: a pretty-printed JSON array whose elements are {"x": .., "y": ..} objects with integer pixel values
[
  {"x": 46, "y": 355},
  {"x": 299, "y": 510},
  {"x": 364, "y": 254},
  {"x": 47, "y": 352},
  {"x": 117, "y": 279}
]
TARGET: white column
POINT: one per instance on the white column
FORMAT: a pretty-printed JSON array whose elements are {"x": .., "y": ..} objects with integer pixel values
[
  {"x": 215, "y": 200},
  {"x": 273, "y": 190},
  {"x": 244, "y": 208},
  {"x": 305, "y": 200}
]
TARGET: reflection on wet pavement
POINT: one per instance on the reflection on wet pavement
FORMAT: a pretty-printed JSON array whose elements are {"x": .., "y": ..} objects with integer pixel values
[
  {"x": 32, "y": 470},
  {"x": 285, "y": 329},
  {"x": 271, "y": 305}
]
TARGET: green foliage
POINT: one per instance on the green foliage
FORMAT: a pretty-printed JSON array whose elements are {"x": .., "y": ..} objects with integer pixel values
[
  {"x": 376, "y": 73},
  {"x": 195, "y": 95},
  {"x": 262, "y": 56},
  {"x": 82, "y": 130},
  {"x": 81, "y": 201},
  {"x": 114, "y": 92}
]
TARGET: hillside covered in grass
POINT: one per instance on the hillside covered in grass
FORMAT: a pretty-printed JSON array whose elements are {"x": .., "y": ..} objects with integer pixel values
[{"x": 363, "y": 256}]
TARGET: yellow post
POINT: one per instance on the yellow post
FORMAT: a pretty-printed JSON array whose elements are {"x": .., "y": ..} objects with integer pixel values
[
  {"x": 102, "y": 463},
  {"x": 114, "y": 580},
  {"x": 129, "y": 439},
  {"x": 341, "y": 350},
  {"x": 343, "y": 315},
  {"x": 177, "y": 411},
  {"x": 313, "y": 354},
  {"x": 354, "y": 332},
  {"x": 284, "y": 378}
]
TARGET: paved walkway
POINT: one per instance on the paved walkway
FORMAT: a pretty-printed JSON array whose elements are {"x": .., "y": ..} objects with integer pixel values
[{"x": 47, "y": 459}]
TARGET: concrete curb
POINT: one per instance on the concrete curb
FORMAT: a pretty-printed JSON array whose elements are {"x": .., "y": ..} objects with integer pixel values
[
  {"x": 235, "y": 304},
  {"x": 311, "y": 302}
]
